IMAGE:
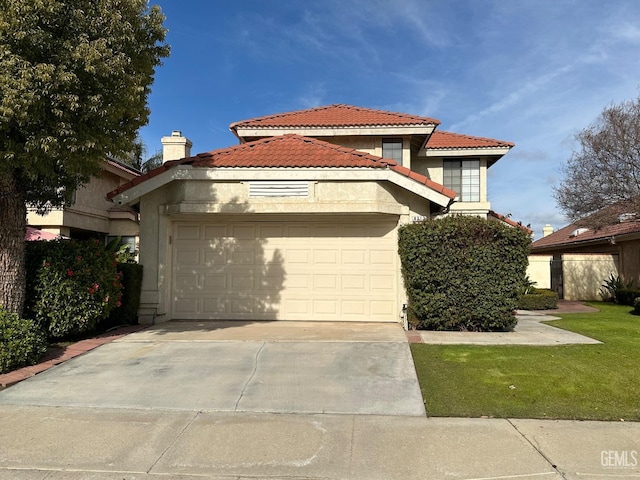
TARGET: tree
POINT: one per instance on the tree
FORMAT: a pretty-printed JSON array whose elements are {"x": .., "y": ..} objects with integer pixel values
[
  {"x": 605, "y": 170},
  {"x": 74, "y": 80}
]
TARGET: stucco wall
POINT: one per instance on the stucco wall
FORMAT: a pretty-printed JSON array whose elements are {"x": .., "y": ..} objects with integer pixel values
[
  {"x": 204, "y": 200},
  {"x": 539, "y": 270},
  {"x": 630, "y": 261},
  {"x": 584, "y": 274}
]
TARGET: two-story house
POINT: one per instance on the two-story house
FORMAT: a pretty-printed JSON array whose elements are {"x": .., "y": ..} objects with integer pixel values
[
  {"x": 92, "y": 215},
  {"x": 299, "y": 221}
]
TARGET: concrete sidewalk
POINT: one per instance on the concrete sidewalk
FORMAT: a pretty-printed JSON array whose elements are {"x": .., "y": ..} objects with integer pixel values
[{"x": 56, "y": 443}]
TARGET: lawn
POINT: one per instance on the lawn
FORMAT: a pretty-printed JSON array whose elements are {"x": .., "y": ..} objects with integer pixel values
[{"x": 590, "y": 382}]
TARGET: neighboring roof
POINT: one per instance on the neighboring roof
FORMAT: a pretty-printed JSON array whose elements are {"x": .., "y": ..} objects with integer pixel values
[
  {"x": 337, "y": 115},
  {"x": 34, "y": 234},
  {"x": 581, "y": 232},
  {"x": 123, "y": 166},
  {"x": 287, "y": 151},
  {"x": 508, "y": 221},
  {"x": 446, "y": 140}
]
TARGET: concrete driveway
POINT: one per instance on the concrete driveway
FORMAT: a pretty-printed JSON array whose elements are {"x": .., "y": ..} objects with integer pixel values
[{"x": 276, "y": 367}]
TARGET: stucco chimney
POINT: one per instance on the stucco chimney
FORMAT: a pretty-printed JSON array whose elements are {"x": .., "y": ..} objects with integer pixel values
[
  {"x": 547, "y": 230},
  {"x": 175, "y": 147}
]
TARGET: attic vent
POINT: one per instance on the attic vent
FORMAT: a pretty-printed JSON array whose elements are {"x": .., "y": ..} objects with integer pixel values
[
  {"x": 627, "y": 217},
  {"x": 279, "y": 189},
  {"x": 578, "y": 231}
]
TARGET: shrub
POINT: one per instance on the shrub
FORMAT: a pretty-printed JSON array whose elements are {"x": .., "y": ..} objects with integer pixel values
[
  {"x": 72, "y": 286},
  {"x": 611, "y": 286},
  {"x": 22, "y": 342},
  {"x": 538, "y": 299},
  {"x": 127, "y": 312},
  {"x": 636, "y": 306},
  {"x": 463, "y": 272},
  {"x": 627, "y": 296}
]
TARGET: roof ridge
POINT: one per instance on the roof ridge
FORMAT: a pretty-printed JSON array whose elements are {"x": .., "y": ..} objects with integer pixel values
[{"x": 418, "y": 119}]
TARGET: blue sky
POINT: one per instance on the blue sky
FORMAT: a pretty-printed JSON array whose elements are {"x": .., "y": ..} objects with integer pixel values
[{"x": 534, "y": 72}]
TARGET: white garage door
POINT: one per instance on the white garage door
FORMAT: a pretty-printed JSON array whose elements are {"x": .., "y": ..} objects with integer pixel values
[{"x": 338, "y": 270}]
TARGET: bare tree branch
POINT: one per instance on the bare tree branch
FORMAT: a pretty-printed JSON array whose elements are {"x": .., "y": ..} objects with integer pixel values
[{"x": 605, "y": 169}]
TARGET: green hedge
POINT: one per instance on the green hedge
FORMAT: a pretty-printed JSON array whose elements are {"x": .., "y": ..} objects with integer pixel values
[
  {"x": 72, "y": 285},
  {"x": 539, "y": 299},
  {"x": 127, "y": 312},
  {"x": 627, "y": 296},
  {"x": 21, "y": 342},
  {"x": 463, "y": 273}
]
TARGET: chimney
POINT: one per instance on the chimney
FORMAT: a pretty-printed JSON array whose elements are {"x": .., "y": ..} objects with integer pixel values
[
  {"x": 175, "y": 147},
  {"x": 547, "y": 230}
]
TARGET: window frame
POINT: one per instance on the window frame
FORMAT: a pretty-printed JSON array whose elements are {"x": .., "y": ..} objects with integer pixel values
[
  {"x": 462, "y": 175},
  {"x": 392, "y": 142}
]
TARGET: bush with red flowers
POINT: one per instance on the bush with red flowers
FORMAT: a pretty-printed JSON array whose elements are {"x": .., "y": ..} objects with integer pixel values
[{"x": 72, "y": 285}]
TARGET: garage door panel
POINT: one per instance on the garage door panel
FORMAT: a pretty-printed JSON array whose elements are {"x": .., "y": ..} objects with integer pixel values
[
  {"x": 291, "y": 271},
  {"x": 354, "y": 257},
  {"x": 325, "y": 257}
]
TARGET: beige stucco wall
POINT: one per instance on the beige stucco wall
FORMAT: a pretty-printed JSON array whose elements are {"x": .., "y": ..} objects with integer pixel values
[
  {"x": 90, "y": 211},
  {"x": 372, "y": 145},
  {"x": 584, "y": 274},
  {"x": 204, "y": 200},
  {"x": 539, "y": 270}
]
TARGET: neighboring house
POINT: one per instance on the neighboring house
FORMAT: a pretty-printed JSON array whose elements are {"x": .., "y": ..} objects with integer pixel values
[
  {"x": 92, "y": 215},
  {"x": 299, "y": 221},
  {"x": 580, "y": 258}
]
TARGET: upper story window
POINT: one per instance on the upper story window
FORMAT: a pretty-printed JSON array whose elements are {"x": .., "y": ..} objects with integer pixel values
[
  {"x": 392, "y": 148},
  {"x": 463, "y": 177}
]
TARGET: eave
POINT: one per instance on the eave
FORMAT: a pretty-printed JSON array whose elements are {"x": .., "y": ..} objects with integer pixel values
[{"x": 443, "y": 198}]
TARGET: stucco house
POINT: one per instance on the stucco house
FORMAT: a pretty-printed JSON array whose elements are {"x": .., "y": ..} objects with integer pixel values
[
  {"x": 92, "y": 215},
  {"x": 578, "y": 258},
  {"x": 299, "y": 221}
]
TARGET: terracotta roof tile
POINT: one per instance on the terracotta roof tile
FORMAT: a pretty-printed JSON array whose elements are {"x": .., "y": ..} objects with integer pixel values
[
  {"x": 445, "y": 140},
  {"x": 338, "y": 115},
  {"x": 508, "y": 221},
  {"x": 287, "y": 151}
]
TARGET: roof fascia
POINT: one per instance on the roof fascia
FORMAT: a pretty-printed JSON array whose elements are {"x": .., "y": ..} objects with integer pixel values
[
  {"x": 467, "y": 152},
  {"x": 187, "y": 172},
  {"x": 382, "y": 130}
]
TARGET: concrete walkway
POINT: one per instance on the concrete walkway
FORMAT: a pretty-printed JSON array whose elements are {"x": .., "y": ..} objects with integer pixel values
[
  {"x": 528, "y": 331},
  {"x": 54, "y": 443},
  {"x": 47, "y": 433}
]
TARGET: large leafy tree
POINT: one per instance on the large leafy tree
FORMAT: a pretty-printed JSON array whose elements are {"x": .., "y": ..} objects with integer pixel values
[
  {"x": 74, "y": 80},
  {"x": 605, "y": 170}
]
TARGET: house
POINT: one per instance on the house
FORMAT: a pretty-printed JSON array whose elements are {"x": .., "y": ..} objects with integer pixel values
[
  {"x": 580, "y": 257},
  {"x": 299, "y": 221},
  {"x": 92, "y": 215}
]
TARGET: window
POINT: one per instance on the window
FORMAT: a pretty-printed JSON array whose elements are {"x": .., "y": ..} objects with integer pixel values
[
  {"x": 463, "y": 177},
  {"x": 392, "y": 148}
]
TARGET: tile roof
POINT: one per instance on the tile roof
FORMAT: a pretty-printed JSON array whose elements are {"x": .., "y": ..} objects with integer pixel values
[
  {"x": 508, "y": 221},
  {"x": 444, "y": 140},
  {"x": 338, "y": 115},
  {"x": 287, "y": 151},
  {"x": 566, "y": 237}
]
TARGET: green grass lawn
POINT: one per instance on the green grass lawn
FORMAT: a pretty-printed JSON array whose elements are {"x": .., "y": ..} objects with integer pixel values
[{"x": 590, "y": 382}]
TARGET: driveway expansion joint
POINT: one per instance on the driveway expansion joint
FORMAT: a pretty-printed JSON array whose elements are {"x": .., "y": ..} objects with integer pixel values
[
  {"x": 175, "y": 440},
  {"x": 537, "y": 449}
]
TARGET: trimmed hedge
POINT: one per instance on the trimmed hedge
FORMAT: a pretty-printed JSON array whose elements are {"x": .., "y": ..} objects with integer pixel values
[
  {"x": 22, "y": 343},
  {"x": 539, "y": 299},
  {"x": 636, "y": 306},
  {"x": 72, "y": 285},
  {"x": 463, "y": 273},
  {"x": 127, "y": 312},
  {"x": 627, "y": 296}
]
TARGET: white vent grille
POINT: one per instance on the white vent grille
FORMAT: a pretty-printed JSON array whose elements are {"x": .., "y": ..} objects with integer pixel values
[{"x": 279, "y": 189}]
